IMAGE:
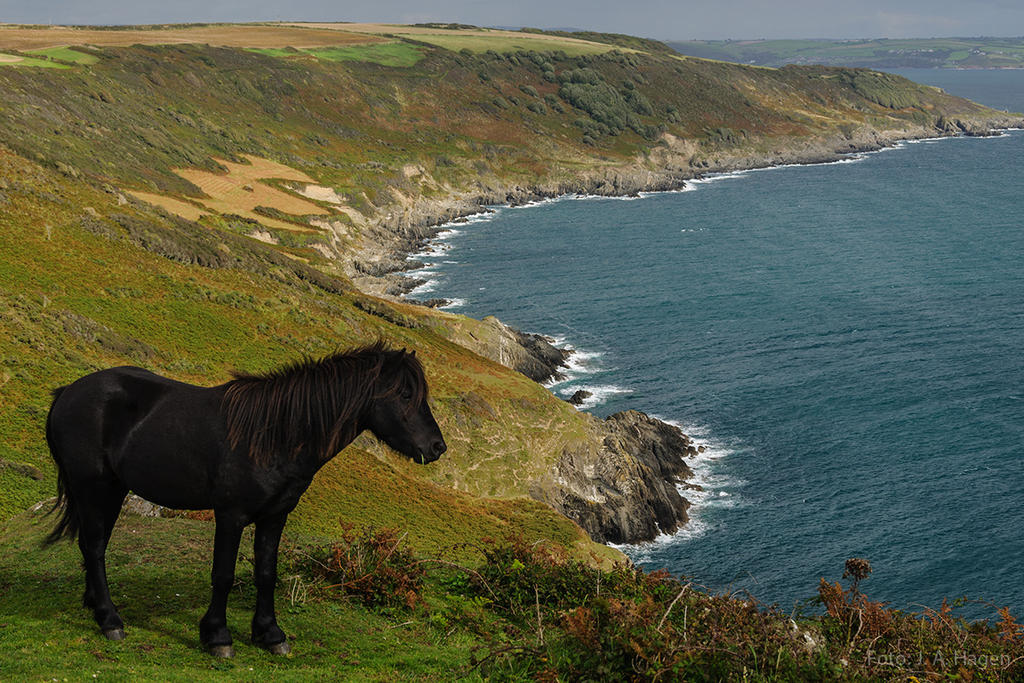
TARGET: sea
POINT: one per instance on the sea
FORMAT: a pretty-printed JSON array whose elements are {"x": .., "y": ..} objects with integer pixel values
[{"x": 845, "y": 339}]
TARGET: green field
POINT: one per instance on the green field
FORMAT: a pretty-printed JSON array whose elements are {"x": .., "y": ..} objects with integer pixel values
[
  {"x": 16, "y": 60},
  {"x": 66, "y": 54},
  {"x": 159, "y": 573},
  {"x": 386, "y": 54}
]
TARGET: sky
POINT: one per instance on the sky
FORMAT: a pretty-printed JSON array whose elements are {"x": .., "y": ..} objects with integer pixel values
[{"x": 661, "y": 19}]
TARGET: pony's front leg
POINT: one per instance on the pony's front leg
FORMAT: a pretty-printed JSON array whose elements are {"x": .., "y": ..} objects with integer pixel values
[
  {"x": 213, "y": 627},
  {"x": 265, "y": 631}
]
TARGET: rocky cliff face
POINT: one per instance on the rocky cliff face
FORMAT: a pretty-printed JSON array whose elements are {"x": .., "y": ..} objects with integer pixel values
[{"x": 625, "y": 491}]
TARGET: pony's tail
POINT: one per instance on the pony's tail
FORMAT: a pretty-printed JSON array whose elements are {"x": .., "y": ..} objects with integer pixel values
[{"x": 67, "y": 525}]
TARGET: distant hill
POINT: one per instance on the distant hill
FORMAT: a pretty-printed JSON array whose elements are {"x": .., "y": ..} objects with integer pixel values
[{"x": 929, "y": 53}]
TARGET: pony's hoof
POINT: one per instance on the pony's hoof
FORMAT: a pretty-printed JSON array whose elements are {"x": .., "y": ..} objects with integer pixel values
[
  {"x": 114, "y": 633},
  {"x": 281, "y": 648},
  {"x": 222, "y": 651}
]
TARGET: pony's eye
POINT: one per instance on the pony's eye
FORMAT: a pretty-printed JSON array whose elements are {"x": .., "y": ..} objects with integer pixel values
[{"x": 406, "y": 395}]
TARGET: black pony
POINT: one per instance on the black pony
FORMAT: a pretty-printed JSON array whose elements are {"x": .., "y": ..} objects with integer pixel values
[{"x": 247, "y": 449}]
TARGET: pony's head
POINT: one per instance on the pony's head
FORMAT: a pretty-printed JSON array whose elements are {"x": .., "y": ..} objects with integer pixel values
[
  {"x": 319, "y": 406},
  {"x": 398, "y": 413}
]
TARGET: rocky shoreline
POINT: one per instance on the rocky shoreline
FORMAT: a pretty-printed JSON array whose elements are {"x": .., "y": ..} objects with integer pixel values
[
  {"x": 383, "y": 256},
  {"x": 627, "y": 490}
]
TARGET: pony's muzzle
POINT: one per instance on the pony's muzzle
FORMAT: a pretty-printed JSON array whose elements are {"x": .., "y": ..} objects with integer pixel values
[{"x": 432, "y": 452}]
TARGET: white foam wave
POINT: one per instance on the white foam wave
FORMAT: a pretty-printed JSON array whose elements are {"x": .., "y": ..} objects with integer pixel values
[
  {"x": 454, "y": 303},
  {"x": 716, "y": 177},
  {"x": 580, "y": 363},
  {"x": 603, "y": 197},
  {"x": 598, "y": 393},
  {"x": 535, "y": 202},
  {"x": 688, "y": 186},
  {"x": 426, "y": 287},
  {"x": 430, "y": 250}
]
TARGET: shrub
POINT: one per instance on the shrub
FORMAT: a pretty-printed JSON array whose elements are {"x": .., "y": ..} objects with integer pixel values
[
  {"x": 554, "y": 103},
  {"x": 893, "y": 644},
  {"x": 584, "y": 75},
  {"x": 370, "y": 564},
  {"x": 575, "y": 623}
]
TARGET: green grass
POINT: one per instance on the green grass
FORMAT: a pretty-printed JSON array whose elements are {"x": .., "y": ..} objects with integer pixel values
[
  {"x": 385, "y": 54},
  {"x": 66, "y": 54},
  {"x": 32, "y": 61},
  {"x": 159, "y": 575},
  {"x": 520, "y": 611},
  {"x": 283, "y": 52}
]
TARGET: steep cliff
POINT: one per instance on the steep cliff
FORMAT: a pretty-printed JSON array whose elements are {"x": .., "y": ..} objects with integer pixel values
[{"x": 626, "y": 491}]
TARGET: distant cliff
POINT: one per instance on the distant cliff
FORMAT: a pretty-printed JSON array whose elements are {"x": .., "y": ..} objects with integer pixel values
[{"x": 879, "y": 53}]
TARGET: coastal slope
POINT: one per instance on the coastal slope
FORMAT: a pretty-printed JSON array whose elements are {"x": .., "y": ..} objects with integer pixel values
[{"x": 237, "y": 201}]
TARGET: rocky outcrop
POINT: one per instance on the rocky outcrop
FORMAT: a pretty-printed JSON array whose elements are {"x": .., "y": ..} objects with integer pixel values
[
  {"x": 954, "y": 126},
  {"x": 579, "y": 397},
  {"x": 534, "y": 355},
  {"x": 627, "y": 491}
]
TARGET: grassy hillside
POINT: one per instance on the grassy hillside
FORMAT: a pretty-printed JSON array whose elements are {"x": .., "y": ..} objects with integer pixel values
[
  {"x": 203, "y": 206},
  {"x": 83, "y": 290},
  {"x": 522, "y": 612},
  {"x": 882, "y": 53}
]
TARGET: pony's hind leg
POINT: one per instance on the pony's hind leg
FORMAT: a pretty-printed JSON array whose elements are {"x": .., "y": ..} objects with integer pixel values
[{"x": 98, "y": 511}]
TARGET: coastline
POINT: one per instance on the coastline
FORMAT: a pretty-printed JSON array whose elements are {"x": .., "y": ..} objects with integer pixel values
[
  {"x": 687, "y": 483},
  {"x": 380, "y": 262}
]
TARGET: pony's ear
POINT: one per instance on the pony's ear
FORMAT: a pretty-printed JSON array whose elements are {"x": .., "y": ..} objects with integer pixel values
[{"x": 413, "y": 353}]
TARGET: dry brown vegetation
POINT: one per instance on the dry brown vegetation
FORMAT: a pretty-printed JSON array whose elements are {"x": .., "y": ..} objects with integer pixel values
[
  {"x": 239, "y": 192},
  {"x": 476, "y": 39},
  {"x": 178, "y": 207},
  {"x": 226, "y": 35}
]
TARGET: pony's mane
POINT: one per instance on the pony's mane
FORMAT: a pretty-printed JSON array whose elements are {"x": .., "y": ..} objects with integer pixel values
[{"x": 315, "y": 404}]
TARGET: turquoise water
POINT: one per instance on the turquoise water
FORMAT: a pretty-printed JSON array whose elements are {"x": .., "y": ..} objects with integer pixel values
[{"x": 845, "y": 338}]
